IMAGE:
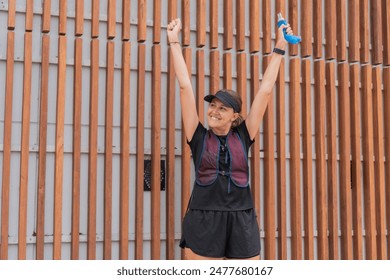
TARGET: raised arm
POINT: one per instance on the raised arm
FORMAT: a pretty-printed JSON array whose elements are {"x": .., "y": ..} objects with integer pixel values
[
  {"x": 187, "y": 99},
  {"x": 263, "y": 95}
]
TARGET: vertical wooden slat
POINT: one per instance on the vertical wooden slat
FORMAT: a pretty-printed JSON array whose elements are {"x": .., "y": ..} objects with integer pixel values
[
  {"x": 293, "y": 21},
  {"x": 280, "y": 7},
  {"x": 353, "y": 31},
  {"x": 95, "y": 18},
  {"x": 214, "y": 71},
  {"x": 317, "y": 29},
  {"x": 200, "y": 23},
  {"x": 62, "y": 17},
  {"x": 185, "y": 15},
  {"x": 356, "y": 177},
  {"x": 341, "y": 30},
  {"x": 108, "y": 142},
  {"x": 156, "y": 153},
  {"x": 156, "y": 21},
  {"x": 227, "y": 70},
  {"x": 241, "y": 81},
  {"x": 11, "y": 14},
  {"x": 269, "y": 178},
  {"x": 29, "y": 15},
  {"x": 140, "y": 156},
  {"x": 379, "y": 164},
  {"x": 322, "y": 208},
  {"x": 345, "y": 162},
  {"x": 227, "y": 24},
  {"x": 386, "y": 32},
  {"x": 368, "y": 163},
  {"x": 59, "y": 148},
  {"x": 46, "y": 14},
  {"x": 200, "y": 76},
  {"x": 376, "y": 31},
  {"x": 307, "y": 28},
  {"x": 254, "y": 26},
  {"x": 266, "y": 20},
  {"x": 213, "y": 24},
  {"x": 42, "y": 147},
  {"x": 386, "y": 116},
  {"x": 281, "y": 163},
  {"x": 295, "y": 186},
  {"x": 330, "y": 29},
  {"x": 125, "y": 20},
  {"x": 77, "y": 106},
  {"x": 111, "y": 19},
  {"x": 307, "y": 160},
  {"x": 332, "y": 160},
  {"x": 141, "y": 25},
  {"x": 5, "y": 186},
  {"x": 364, "y": 31},
  {"x": 125, "y": 150},
  {"x": 240, "y": 25},
  {"x": 79, "y": 21}
]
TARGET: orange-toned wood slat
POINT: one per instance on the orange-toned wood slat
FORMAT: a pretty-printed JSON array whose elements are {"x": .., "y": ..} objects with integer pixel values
[
  {"x": 227, "y": 24},
  {"x": 200, "y": 87},
  {"x": 332, "y": 160},
  {"x": 255, "y": 148},
  {"x": 227, "y": 70},
  {"x": 156, "y": 21},
  {"x": 368, "y": 163},
  {"x": 379, "y": 164},
  {"x": 125, "y": 20},
  {"x": 364, "y": 31},
  {"x": 170, "y": 160},
  {"x": 330, "y": 29},
  {"x": 386, "y": 32},
  {"x": 376, "y": 32},
  {"x": 386, "y": 116},
  {"x": 156, "y": 153},
  {"x": 353, "y": 31},
  {"x": 46, "y": 14},
  {"x": 79, "y": 20},
  {"x": 59, "y": 148},
  {"x": 213, "y": 24},
  {"x": 281, "y": 163},
  {"x": 172, "y": 10},
  {"x": 185, "y": 21},
  {"x": 254, "y": 26},
  {"x": 29, "y": 16},
  {"x": 11, "y": 14},
  {"x": 108, "y": 142},
  {"x": 62, "y": 17},
  {"x": 307, "y": 161},
  {"x": 295, "y": 186},
  {"x": 356, "y": 169},
  {"x": 40, "y": 227},
  {"x": 345, "y": 162},
  {"x": 214, "y": 71},
  {"x": 200, "y": 23},
  {"x": 341, "y": 13},
  {"x": 320, "y": 117},
  {"x": 293, "y": 21},
  {"x": 5, "y": 186},
  {"x": 76, "y": 171},
  {"x": 317, "y": 29},
  {"x": 280, "y": 7},
  {"x": 25, "y": 146},
  {"x": 95, "y": 18},
  {"x": 269, "y": 177},
  {"x": 307, "y": 28},
  {"x": 266, "y": 21},
  {"x": 141, "y": 26},
  {"x": 241, "y": 81},
  {"x": 240, "y": 25},
  {"x": 125, "y": 151},
  {"x": 111, "y": 19},
  {"x": 140, "y": 156}
]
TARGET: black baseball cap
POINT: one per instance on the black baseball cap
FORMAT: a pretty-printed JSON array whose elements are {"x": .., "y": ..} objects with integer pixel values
[{"x": 226, "y": 98}]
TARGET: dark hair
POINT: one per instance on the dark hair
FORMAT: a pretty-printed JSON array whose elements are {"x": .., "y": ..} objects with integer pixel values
[{"x": 237, "y": 98}]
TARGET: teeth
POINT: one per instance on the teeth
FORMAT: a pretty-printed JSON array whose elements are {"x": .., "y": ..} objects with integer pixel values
[{"x": 214, "y": 118}]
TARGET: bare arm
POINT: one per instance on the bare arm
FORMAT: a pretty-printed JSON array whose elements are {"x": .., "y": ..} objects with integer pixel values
[
  {"x": 263, "y": 95},
  {"x": 187, "y": 99}
]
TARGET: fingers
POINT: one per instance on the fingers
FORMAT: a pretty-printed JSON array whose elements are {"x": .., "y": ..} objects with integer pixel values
[{"x": 174, "y": 23}]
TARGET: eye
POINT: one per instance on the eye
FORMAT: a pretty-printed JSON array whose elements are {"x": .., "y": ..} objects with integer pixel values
[{"x": 212, "y": 105}]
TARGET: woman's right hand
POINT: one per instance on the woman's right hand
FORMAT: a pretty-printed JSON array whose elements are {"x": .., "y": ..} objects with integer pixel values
[{"x": 173, "y": 31}]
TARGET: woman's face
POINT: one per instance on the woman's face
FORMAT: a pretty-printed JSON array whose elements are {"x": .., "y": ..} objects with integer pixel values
[{"x": 220, "y": 117}]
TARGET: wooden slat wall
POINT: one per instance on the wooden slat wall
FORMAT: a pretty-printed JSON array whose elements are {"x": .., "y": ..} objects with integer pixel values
[{"x": 338, "y": 205}]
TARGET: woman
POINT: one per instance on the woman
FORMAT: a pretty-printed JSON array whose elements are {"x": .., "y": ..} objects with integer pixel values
[{"x": 220, "y": 222}]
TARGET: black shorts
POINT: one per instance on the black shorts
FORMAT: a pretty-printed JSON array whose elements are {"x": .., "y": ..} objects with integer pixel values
[{"x": 218, "y": 234}]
